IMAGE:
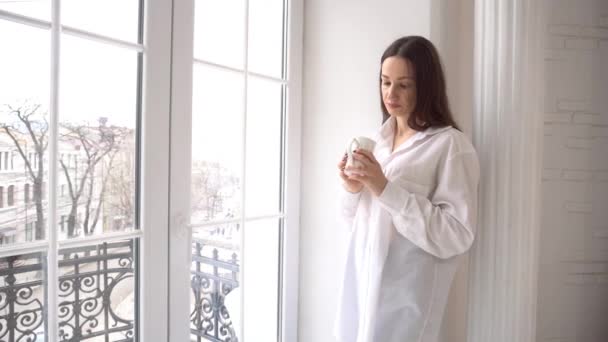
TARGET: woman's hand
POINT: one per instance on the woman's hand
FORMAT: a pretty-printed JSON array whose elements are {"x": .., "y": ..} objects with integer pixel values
[
  {"x": 368, "y": 172},
  {"x": 350, "y": 185}
]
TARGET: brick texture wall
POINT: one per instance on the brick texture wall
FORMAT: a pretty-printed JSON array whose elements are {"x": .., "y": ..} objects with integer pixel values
[{"x": 573, "y": 275}]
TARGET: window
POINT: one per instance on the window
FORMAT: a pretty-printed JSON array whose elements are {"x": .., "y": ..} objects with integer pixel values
[
  {"x": 36, "y": 193},
  {"x": 62, "y": 223},
  {"x": 9, "y": 239},
  {"x": 98, "y": 64},
  {"x": 32, "y": 159},
  {"x": 99, "y": 157},
  {"x": 238, "y": 180},
  {"x": 10, "y": 200},
  {"x": 29, "y": 230},
  {"x": 6, "y": 160}
]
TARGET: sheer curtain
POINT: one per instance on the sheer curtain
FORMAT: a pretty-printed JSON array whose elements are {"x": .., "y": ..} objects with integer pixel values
[{"x": 507, "y": 132}]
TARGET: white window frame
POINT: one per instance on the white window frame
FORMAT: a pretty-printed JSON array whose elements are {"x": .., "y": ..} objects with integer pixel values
[
  {"x": 165, "y": 172},
  {"x": 180, "y": 231},
  {"x": 151, "y": 315},
  {"x": 154, "y": 205}
]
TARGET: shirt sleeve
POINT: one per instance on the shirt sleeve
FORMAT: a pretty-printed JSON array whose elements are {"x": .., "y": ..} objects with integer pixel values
[
  {"x": 348, "y": 205},
  {"x": 443, "y": 226}
]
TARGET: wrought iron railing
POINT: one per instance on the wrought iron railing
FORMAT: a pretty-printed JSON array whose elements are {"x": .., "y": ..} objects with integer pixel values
[
  {"x": 214, "y": 273},
  {"x": 94, "y": 280},
  {"x": 22, "y": 298}
]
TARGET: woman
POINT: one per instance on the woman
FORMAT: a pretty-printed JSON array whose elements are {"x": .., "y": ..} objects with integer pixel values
[{"x": 411, "y": 206}]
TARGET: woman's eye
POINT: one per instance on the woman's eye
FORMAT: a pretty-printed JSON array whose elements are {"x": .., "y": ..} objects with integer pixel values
[{"x": 386, "y": 84}]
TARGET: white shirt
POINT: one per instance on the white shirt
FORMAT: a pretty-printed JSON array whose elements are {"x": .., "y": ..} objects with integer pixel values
[{"x": 404, "y": 244}]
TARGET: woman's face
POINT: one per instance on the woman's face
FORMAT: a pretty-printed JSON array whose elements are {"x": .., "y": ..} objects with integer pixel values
[{"x": 398, "y": 86}]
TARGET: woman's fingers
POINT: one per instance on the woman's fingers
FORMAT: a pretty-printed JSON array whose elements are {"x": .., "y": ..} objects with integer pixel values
[
  {"x": 343, "y": 176},
  {"x": 366, "y": 155},
  {"x": 342, "y": 162},
  {"x": 358, "y": 177},
  {"x": 363, "y": 161},
  {"x": 359, "y": 170}
]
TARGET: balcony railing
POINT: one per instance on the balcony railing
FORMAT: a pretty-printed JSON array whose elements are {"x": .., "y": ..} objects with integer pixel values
[
  {"x": 21, "y": 301},
  {"x": 214, "y": 273},
  {"x": 96, "y": 294},
  {"x": 95, "y": 283}
]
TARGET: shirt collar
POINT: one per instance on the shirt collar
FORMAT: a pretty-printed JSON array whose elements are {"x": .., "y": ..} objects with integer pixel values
[{"x": 388, "y": 128}]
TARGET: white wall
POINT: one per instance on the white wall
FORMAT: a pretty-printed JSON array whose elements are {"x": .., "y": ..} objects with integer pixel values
[
  {"x": 573, "y": 271},
  {"x": 343, "y": 43},
  {"x": 454, "y": 40}
]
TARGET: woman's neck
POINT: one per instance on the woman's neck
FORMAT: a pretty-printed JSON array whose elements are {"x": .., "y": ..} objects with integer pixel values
[{"x": 402, "y": 129}]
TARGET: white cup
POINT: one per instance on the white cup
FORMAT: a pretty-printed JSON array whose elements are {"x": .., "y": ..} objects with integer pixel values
[{"x": 358, "y": 143}]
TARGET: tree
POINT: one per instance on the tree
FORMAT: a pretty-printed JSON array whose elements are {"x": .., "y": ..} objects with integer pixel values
[
  {"x": 96, "y": 144},
  {"x": 212, "y": 185},
  {"x": 30, "y": 125},
  {"x": 121, "y": 177}
]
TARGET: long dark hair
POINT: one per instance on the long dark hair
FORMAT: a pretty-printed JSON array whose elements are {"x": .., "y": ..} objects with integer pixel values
[{"x": 432, "y": 108}]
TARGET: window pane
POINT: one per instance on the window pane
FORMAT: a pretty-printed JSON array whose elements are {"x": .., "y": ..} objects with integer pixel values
[
  {"x": 219, "y": 31},
  {"x": 216, "y": 144},
  {"x": 24, "y": 98},
  {"x": 39, "y": 9},
  {"x": 114, "y": 18},
  {"x": 96, "y": 292},
  {"x": 266, "y": 37},
  {"x": 263, "y": 147},
  {"x": 22, "y": 297},
  {"x": 96, "y": 161},
  {"x": 261, "y": 284},
  {"x": 216, "y": 310},
  {"x": 215, "y": 301}
]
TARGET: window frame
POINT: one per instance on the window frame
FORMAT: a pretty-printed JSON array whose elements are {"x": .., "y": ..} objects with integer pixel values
[
  {"x": 180, "y": 229},
  {"x": 166, "y": 91},
  {"x": 151, "y": 238},
  {"x": 154, "y": 172}
]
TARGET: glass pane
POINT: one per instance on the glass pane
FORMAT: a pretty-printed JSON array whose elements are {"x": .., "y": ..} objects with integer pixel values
[
  {"x": 23, "y": 297},
  {"x": 266, "y": 37},
  {"x": 219, "y": 31},
  {"x": 39, "y": 9},
  {"x": 113, "y": 18},
  {"x": 216, "y": 144},
  {"x": 263, "y": 147},
  {"x": 261, "y": 283},
  {"x": 215, "y": 301},
  {"x": 97, "y": 292},
  {"x": 96, "y": 161},
  {"x": 24, "y": 103}
]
